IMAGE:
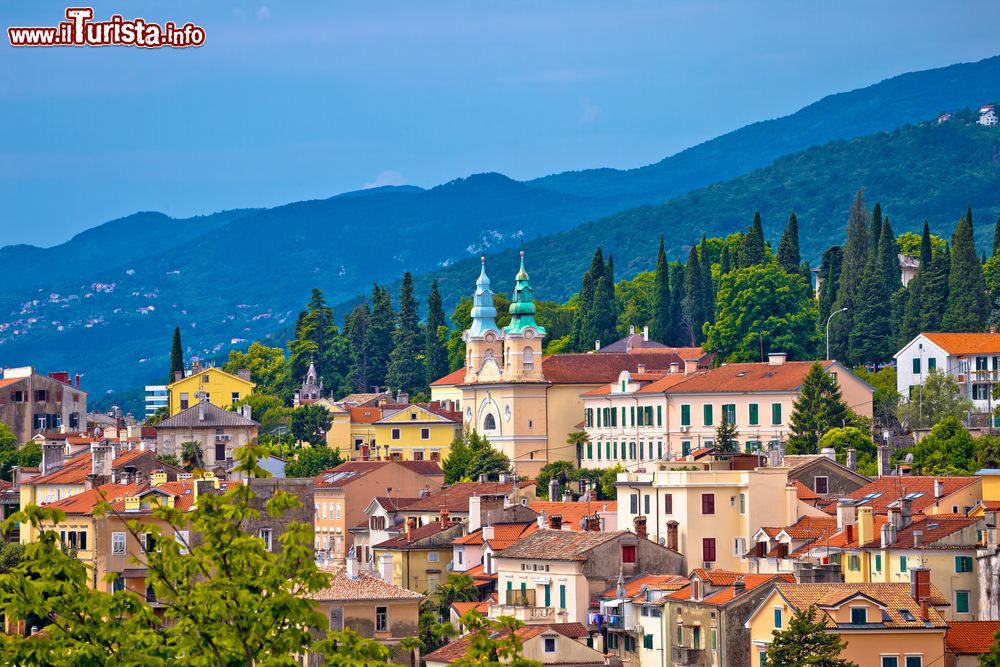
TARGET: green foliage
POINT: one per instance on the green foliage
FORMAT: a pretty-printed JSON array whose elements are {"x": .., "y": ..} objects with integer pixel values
[
  {"x": 8, "y": 440},
  {"x": 992, "y": 657},
  {"x": 806, "y": 642},
  {"x": 695, "y": 302},
  {"x": 871, "y": 336},
  {"x": 267, "y": 365},
  {"x": 267, "y": 410},
  {"x": 638, "y": 301},
  {"x": 763, "y": 302},
  {"x": 788, "y": 248},
  {"x": 753, "y": 251},
  {"x": 310, "y": 461},
  {"x": 829, "y": 271},
  {"x": 356, "y": 329},
  {"x": 493, "y": 643},
  {"x": 910, "y": 243},
  {"x": 169, "y": 459},
  {"x": 310, "y": 423},
  {"x": 885, "y": 400},
  {"x": 30, "y": 455},
  {"x": 435, "y": 338},
  {"x": 851, "y": 437},
  {"x": 818, "y": 409},
  {"x": 948, "y": 449},
  {"x": 471, "y": 456},
  {"x": 192, "y": 456},
  {"x": 176, "y": 355},
  {"x": 938, "y": 398},
  {"x": 378, "y": 343},
  {"x": 158, "y": 415},
  {"x": 661, "y": 326},
  {"x": 597, "y": 309},
  {"x": 726, "y": 435},
  {"x": 228, "y": 601},
  {"x": 406, "y": 362},
  {"x": 968, "y": 303},
  {"x": 564, "y": 471},
  {"x": 855, "y": 258}
]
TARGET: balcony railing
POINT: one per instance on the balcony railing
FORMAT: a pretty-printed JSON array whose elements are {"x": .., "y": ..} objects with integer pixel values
[
  {"x": 524, "y": 614},
  {"x": 685, "y": 656}
]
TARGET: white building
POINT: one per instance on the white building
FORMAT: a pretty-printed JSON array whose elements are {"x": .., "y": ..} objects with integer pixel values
[
  {"x": 987, "y": 115},
  {"x": 973, "y": 359},
  {"x": 156, "y": 397}
]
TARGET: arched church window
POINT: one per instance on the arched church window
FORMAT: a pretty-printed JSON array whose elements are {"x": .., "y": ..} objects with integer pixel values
[
  {"x": 489, "y": 423},
  {"x": 528, "y": 359}
]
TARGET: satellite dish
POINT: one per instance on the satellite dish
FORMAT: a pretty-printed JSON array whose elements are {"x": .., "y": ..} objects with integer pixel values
[
  {"x": 908, "y": 458},
  {"x": 583, "y": 524},
  {"x": 662, "y": 541}
]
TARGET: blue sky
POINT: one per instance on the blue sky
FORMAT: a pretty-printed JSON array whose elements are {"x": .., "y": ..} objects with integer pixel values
[{"x": 305, "y": 100}]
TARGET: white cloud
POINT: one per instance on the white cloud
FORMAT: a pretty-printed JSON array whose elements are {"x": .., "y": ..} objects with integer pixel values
[
  {"x": 263, "y": 12},
  {"x": 387, "y": 177},
  {"x": 589, "y": 112}
]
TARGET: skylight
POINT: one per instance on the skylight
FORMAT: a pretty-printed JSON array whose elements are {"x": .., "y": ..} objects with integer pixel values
[{"x": 907, "y": 615}]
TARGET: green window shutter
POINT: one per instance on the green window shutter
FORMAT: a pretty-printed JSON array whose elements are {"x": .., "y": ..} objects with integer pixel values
[
  {"x": 633, "y": 415},
  {"x": 562, "y": 596},
  {"x": 590, "y": 451},
  {"x": 649, "y": 415},
  {"x": 659, "y": 415},
  {"x": 902, "y": 564},
  {"x": 878, "y": 562},
  {"x": 510, "y": 584},
  {"x": 754, "y": 414},
  {"x": 962, "y": 602},
  {"x": 598, "y": 418},
  {"x": 707, "y": 414},
  {"x": 548, "y": 595},
  {"x": 932, "y": 364},
  {"x": 916, "y": 365},
  {"x": 647, "y": 641},
  {"x": 659, "y": 450},
  {"x": 685, "y": 415},
  {"x": 607, "y": 449},
  {"x": 598, "y": 451},
  {"x": 775, "y": 413}
]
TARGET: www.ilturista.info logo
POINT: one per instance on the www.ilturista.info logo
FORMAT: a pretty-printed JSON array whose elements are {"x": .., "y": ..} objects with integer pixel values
[{"x": 81, "y": 30}]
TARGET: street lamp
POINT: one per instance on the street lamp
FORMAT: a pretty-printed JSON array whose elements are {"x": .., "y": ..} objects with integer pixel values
[{"x": 828, "y": 331}]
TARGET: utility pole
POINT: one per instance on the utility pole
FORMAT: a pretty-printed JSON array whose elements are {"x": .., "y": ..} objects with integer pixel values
[{"x": 828, "y": 331}]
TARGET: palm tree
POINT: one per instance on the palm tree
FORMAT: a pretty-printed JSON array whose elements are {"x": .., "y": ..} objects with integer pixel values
[
  {"x": 578, "y": 439},
  {"x": 192, "y": 456}
]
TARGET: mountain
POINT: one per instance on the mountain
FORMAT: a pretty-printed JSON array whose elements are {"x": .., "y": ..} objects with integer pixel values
[
  {"x": 908, "y": 98},
  {"x": 105, "y": 302},
  {"x": 921, "y": 171}
]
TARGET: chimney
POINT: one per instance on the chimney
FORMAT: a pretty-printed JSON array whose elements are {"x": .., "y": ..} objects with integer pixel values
[
  {"x": 553, "y": 489},
  {"x": 938, "y": 489},
  {"x": 993, "y": 329},
  {"x": 918, "y": 538},
  {"x": 645, "y": 333},
  {"x": 888, "y": 534},
  {"x": 920, "y": 584},
  {"x": 52, "y": 457},
  {"x": 243, "y": 374},
  {"x": 829, "y": 452},
  {"x": 847, "y": 514},
  {"x": 776, "y": 358},
  {"x": 567, "y": 497},
  {"x": 76, "y": 381},
  {"x": 906, "y": 512},
  {"x": 675, "y": 367},
  {"x": 631, "y": 330},
  {"x": 201, "y": 411},
  {"x": 852, "y": 459},
  {"x": 402, "y": 397},
  {"x": 352, "y": 568},
  {"x": 690, "y": 366},
  {"x": 178, "y": 375},
  {"x": 895, "y": 518},
  {"x": 597, "y": 345},
  {"x": 555, "y": 521},
  {"x": 541, "y": 519},
  {"x": 739, "y": 586},
  {"x": 672, "y": 535},
  {"x": 385, "y": 567},
  {"x": 488, "y": 533},
  {"x": 640, "y": 368},
  {"x": 866, "y": 526},
  {"x": 883, "y": 461},
  {"x": 640, "y": 527},
  {"x": 411, "y": 525},
  {"x": 592, "y": 523},
  {"x": 444, "y": 518}
]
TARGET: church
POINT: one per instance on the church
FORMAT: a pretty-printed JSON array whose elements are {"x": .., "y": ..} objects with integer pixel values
[{"x": 524, "y": 403}]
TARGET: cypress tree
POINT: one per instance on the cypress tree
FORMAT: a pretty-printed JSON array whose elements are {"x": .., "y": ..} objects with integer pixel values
[
  {"x": 315, "y": 341},
  {"x": 725, "y": 264},
  {"x": 875, "y": 233},
  {"x": 829, "y": 272},
  {"x": 753, "y": 250},
  {"x": 694, "y": 298},
  {"x": 788, "y": 248},
  {"x": 435, "y": 337},
  {"x": 661, "y": 297},
  {"x": 677, "y": 335},
  {"x": 968, "y": 303},
  {"x": 926, "y": 250},
  {"x": 855, "y": 257},
  {"x": 708, "y": 287},
  {"x": 604, "y": 317},
  {"x": 610, "y": 271},
  {"x": 176, "y": 355},
  {"x": 871, "y": 334},
  {"x": 584, "y": 334},
  {"x": 356, "y": 329},
  {"x": 996, "y": 237},
  {"x": 934, "y": 292},
  {"x": 405, "y": 370},
  {"x": 888, "y": 253},
  {"x": 378, "y": 336}
]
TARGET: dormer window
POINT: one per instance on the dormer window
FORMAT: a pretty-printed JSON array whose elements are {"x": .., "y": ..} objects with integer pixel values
[
  {"x": 696, "y": 589},
  {"x": 859, "y": 615}
]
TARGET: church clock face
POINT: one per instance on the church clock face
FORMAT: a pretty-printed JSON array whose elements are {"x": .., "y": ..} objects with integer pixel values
[
  {"x": 529, "y": 333},
  {"x": 490, "y": 337}
]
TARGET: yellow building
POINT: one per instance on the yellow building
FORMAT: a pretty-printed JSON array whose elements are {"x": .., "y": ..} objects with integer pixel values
[
  {"x": 883, "y": 625},
  {"x": 420, "y": 558},
  {"x": 416, "y": 433},
  {"x": 217, "y": 386},
  {"x": 338, "y": 436}
]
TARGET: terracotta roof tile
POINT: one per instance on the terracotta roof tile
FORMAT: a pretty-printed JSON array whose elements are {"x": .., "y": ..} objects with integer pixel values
[
  {"x": 504, "y": 535},
  {"x": 751, "y": 581},
  {"x": 894, "y": 597},
  {"x": 804, "y": 492},
  {"x": 84, "y": 503},
  {"x": 364, "y": 587},
  {"x": 351, "y": 471},
  {"x": 573, "y": 512},
  {"x": 547, "y": 544},
  {"x": 656, "y": 582},
  {"x": 456, "y": 649},
  {"x": 890, "y": 489},
  {"x": 455, "y": 498},
  {"x": 759, "y": 376},
  {"x": 365, "y": 415},
  {"x": 406, "y": 541},
  {"x": 971, "y": 637},
  {"x": 966, "y": 343}
]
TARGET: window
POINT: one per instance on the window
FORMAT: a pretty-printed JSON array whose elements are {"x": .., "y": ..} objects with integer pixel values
[
  {"x": 668, "y": 503},
  {"x": 982, "y": 364},
  {"x": 853, "y": 563},
  {"x": 647, "y": 642},
  {"x": 962, "y": 602},
  {"x": 432, "y": 556},
  {"x": 980, "y": 391},
  {"x": 696, "y": 637},
  {"x": 890, "y": 661},
  {"x": 117, "y": 544},
  {"x": 633, "y": 416},
  {"x": 685, "y": 447},
  {"x": 916, "y": 365},
  {"x": 220, "y": 451},
  {"x": 743, "y": 503},
  {"x": 628, "y": 553},
  {"x": 634, "y": 503},
  {"x": 708, "y": 549},
  {"x": 707, "y": 417},
  {"x": 183, "y": 539},
  {"x": 413, "y": 416},
  {"x": 902, "y": 564},
  {"x": 729, "y": 412},
  {"x": 425, "y": 434},
  {"x": 708, "y": 503},
  {"x": 490, "y": 423},
  {"x": 562, "y": 596},
  {"x": 914, "y": 661},
  {"x": 528, "y": 359},
  {"x": 763, "y": 658},
  {"x": 590, "y": 416},
  {"x": 649, "y": 415},
  {"x": 395, "y": 433},
  {"x": 859, "y": 615},
  {"x": 777, "y": 617},
  {"x": 20, "y": 396},
  {"x": 236, "y": 397},
  {"x": 549, "y": 644},
  {"x": 963, "y": 563},
  {"x": 775, "y": 414},
  {"x": 685, "y": 415},
  {"x": 878, "y": 562},
  {"x": 83, "y": 540},
  {"x": 418, "y": 455},
  {"x": 147, "y": 542},
  {"x": 184, "y": 400},
  {"x": 614, "y": 416},
  {"x": 754, "y": 416},
  {"x": 381, "y": 619},
  {"x": 932, "y": 364},
  {"x": 265, "y": 534},
  {"x": 680, "y": 635},
  {"x": 645, "y": 503},
  {"x": 659, "y": 415},
  {"x": 821, "y": 484},
  {"x": 590, "y": 451},
  {"x": 740, "y": 547}
]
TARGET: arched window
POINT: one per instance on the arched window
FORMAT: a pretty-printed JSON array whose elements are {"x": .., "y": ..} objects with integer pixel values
[
  {"x": 528, "y": 359},
  {"x": 490, "y": 423}
]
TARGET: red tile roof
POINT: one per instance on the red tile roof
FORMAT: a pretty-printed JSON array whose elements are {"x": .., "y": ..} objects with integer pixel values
[
  {"x": 84, "y": 503},
  {"x": 971, "y": 637},
  {"x": 351, "y": 471},
  {"x": 406, "y": 541},
  {"x": 455, "y": 498},
  {"x": 657, "y": 582},
  {"x": 966, "y": 343},
  {"x": 362, "y": 587},
  {"x": 451, "y": 379},
  {"x": 573, "y": 512},
  {"x": 894, "y": 597},
  {"x": 456, "y": 649},
  {"x": 751, "y": 581},
  {"x": 504, "y": 535},
  {"x": 760, "y": 376},
  {"x": 892, "y": 488},
  {"x": 365, "y": 415},
  {"x": 546, "y": 544},
  {"x": 804, "y": 492}
]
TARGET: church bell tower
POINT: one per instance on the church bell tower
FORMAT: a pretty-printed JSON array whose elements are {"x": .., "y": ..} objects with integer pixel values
[{"x": 483, "y": 346}]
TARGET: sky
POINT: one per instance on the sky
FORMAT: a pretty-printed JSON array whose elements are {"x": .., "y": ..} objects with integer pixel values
[{"x": 303, "y": 100}]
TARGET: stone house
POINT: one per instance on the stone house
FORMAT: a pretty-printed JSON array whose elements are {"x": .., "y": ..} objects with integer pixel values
[{"x": 219, "y": 432}]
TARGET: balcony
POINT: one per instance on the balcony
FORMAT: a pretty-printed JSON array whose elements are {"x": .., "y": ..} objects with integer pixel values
[
  {"x": 528, "y": 615},
  {"x": 686, "y": 657}
]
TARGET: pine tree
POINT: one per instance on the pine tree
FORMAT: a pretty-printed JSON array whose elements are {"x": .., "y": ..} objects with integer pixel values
[
  {"x": 829, "y": 271},
  {"x": 176, "y": 356},
  {"x": 677, "y": 333},
  {"x": 661, "y": 324},
  {"x": 875, "y": 231},
  {"x": 888, "y": 253},
  {"x": 754, "y": 250},
  {"x": 726, "y": 435},
  {"x": 694, "y": 299},
  {"x": 406, "y": 370},
  {"x": 604, "y": 317},
  {"x": 725, "y": 263},
  {"x": 926, "y": 250},
  {"x": 871, "y": 336},
  {"x": 996, "y": 237},
  {"x": 378, "y": 336},
  {"x": 584, "y": 334},
  {"x": 788, "y": 248},
  {"x": 806, "y": 642},
  {"x": 855, "y": 257},
  {"x": 356, "y": 330},
  {"x": 934, "y": 293},
  {"x": 435, "y": 338},
  {"x": 708, "y": 287},
  {"x": 968, "y": 303},
  {"x": 818, "y": 408},
  {"x": 316, "y": 342}
]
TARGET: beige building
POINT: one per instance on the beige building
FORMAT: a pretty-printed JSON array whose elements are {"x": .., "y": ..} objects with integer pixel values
[
  {"x": 648, "y": 416},
  {"x": 32, "y": 403},
  {"x": 219, "y": 432},
  {"x": 526, "y": 404}
]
